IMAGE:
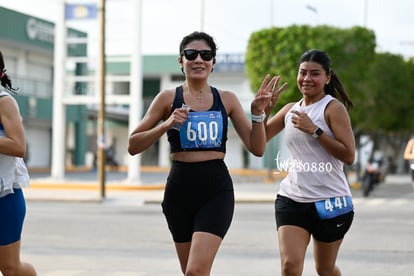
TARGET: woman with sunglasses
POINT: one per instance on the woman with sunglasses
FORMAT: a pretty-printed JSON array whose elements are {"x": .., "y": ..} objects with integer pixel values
[
  {"x": 14, "y": 176},
  {"x": 198, "y": 200}
]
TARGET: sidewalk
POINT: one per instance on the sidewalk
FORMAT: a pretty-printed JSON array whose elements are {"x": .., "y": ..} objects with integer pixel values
[{"x": 249, "y": 186}]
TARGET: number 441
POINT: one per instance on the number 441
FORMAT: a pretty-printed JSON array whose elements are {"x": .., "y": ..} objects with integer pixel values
[{"x": 336, "y": 203}]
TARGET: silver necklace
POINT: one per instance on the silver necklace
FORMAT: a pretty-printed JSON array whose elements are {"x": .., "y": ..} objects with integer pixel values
[{"x": 198, "y": 96}]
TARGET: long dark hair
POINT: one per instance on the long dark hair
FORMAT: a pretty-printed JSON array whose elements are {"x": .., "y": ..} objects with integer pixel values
[
  {"x": 4, "y": 78},
  {"x": 334, "y": 87}
]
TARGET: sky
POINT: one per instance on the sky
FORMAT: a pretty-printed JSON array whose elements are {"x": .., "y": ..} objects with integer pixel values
[{"x": 231, "y": 22}]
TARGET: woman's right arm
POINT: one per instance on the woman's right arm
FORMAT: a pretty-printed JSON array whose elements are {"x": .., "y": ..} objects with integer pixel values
[
  {"x": 149, "y": 130},
  {"x": 277, "y": 122}
]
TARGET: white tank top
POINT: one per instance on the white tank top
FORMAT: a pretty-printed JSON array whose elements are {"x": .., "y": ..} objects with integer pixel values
[{"x": 313, "y": 173}]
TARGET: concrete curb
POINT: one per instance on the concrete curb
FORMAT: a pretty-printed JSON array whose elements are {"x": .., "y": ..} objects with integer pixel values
[{"x": 91, "y": 186}]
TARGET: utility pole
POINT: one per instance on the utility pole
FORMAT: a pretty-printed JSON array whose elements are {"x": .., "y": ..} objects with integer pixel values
[{"x": 101, "y": 162}]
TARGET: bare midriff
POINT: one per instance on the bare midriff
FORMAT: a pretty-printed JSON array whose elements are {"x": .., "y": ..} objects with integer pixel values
[{"x": 197, "y": 156}]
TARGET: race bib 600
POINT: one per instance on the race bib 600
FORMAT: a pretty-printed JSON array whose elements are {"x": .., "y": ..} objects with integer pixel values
[{"x": 202, "y": 130}]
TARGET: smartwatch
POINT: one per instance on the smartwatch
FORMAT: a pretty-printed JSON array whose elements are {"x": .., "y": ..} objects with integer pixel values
[{"x": 318, "y": 132}]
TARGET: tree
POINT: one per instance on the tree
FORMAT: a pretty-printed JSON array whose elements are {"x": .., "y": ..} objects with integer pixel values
[
  {"x": 277, "y": 51},
  {"x": 388, "y": 106},
  {"x": 386, "y": 115}
]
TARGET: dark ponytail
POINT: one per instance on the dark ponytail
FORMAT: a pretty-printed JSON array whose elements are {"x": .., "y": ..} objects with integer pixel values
[{"x": 337, "y": 90}]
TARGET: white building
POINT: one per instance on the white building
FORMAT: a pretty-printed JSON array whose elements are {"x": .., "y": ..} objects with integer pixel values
[{"x": 27, "y": 44}]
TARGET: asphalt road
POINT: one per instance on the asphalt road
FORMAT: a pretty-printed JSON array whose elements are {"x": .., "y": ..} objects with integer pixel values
[{"x": 116, "y": 237}]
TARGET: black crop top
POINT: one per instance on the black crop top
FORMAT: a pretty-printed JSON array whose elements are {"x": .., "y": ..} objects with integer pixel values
[{"x": 203, "y": 130}]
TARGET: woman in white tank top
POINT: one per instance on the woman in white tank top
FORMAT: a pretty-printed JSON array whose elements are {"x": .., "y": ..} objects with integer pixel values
[{"x": 314, "y": 200}]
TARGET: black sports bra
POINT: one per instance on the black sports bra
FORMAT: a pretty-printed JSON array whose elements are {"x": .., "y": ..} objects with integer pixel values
[{"x": 203, "y": 130}]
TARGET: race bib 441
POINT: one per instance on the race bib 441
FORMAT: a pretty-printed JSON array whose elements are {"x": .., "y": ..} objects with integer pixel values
[
  {"x": 334, "y": 206},
  {"x": 202, "y": 130}
]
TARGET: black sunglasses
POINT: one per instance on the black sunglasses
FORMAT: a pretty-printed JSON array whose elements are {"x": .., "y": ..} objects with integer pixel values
[{"x": 192, "y": 54}]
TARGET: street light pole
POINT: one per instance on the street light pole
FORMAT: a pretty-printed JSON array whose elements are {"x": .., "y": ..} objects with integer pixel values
[{"x": 315, "y": 11}]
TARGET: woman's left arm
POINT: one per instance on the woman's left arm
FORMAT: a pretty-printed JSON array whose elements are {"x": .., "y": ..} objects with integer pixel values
[
  {"x": 342, "y": 145},
  {"x": 253, "y": 133},
  {"x": 15, "y": 142}
]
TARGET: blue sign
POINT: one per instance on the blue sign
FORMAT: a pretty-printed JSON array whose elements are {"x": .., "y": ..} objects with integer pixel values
[
  {"x": 81, "y": 11},
  {"x": 229, "y": 63},
  {"x": 202, "y": 129}
]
